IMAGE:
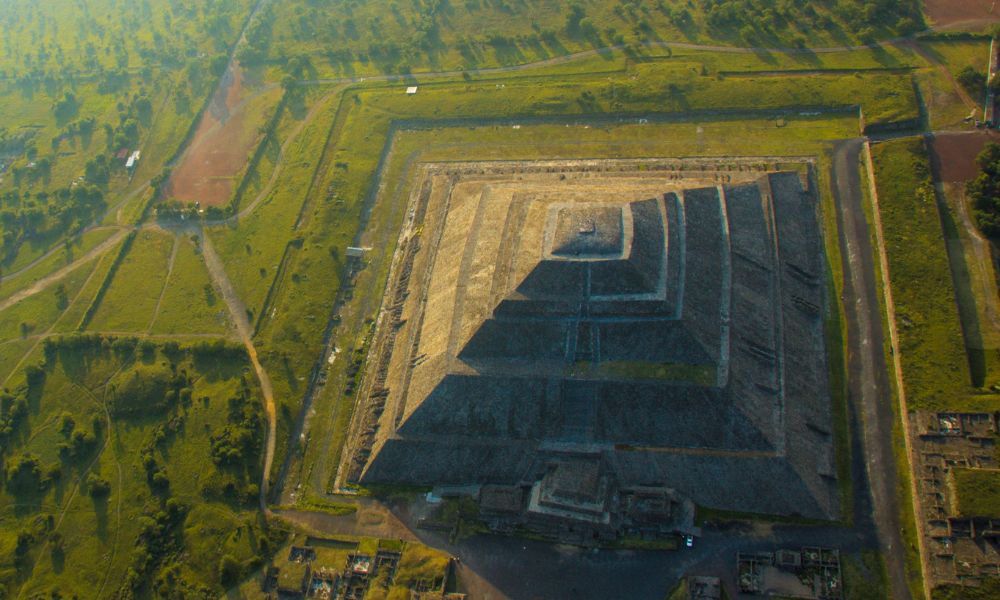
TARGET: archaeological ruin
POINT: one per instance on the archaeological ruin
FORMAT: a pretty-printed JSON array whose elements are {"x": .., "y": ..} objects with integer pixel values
[{"x": 642, "y": 325}]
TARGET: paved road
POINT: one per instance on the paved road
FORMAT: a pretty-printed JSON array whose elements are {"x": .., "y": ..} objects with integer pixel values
[{"x": 869, "y": 389}]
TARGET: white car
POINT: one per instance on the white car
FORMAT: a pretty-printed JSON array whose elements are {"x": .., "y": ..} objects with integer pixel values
[{"x": 689, "y": 541}]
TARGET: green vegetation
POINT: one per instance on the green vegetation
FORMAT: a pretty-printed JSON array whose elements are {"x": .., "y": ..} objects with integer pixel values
[
  {"x": 133, "y": 293},
  {"x": 935, "y": 365},
  {"x": 984, "y": 191},
  {"x": 977, "y": 492},
  {"x": 130, "y": 426},
  {"x": 865, "y": 577},
  {"x": 190, "y": 303},
  {"x": 338, "y": 40},
  {"x": 989, "y": 589}
]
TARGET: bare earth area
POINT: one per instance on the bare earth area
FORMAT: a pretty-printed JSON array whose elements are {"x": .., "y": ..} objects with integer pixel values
[
  {"x": 945, "y": 13},
  {"x": 207, "y": 172},
  {"x": 955, "y": 154}
]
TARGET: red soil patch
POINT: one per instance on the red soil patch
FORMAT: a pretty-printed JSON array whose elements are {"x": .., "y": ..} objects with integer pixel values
[
  {"x": 952, "y": 12},
  {"x": 954, "y": 154},
  {"x": 219, "y": 148}
]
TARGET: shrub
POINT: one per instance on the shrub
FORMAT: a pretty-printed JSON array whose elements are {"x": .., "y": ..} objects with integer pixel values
[{"x": 98, "y": 487}]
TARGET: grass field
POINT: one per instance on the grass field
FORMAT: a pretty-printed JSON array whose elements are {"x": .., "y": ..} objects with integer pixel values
[
  {"x": 190, "y": 303},
  {"x": 131, "y": 299},
  {"x": 363, "y": 39},
  {"x": 977, "y": 492},
  {"x": 35, "y": 314},
  {"x": 935, "y": 364},
  {"x": 64, "y": 522}
]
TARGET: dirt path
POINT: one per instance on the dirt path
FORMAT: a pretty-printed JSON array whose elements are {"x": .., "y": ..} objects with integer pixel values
[
  {"x": 118, "y": 504},
  {"x": 867, "y": 374},
  {"x": 48, "y": 253},
  {"x": 279, "y": 161},
  {"x": 238, "y": 312},
  {"x": 932, "y": 60},
  {"x": 166, "y": 282},
  {"x": 55, "y": 276}
]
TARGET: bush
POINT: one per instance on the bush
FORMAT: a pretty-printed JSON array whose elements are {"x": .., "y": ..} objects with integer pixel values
[
  {"x": 230, "y": 570},
  {"x": 24, "y": 474},
  {"x": 98, "y": 487},
  {"x": 142, "y": 391},
  {"x": 971, "y": 80},
  {"x": 984, "y": 191}
]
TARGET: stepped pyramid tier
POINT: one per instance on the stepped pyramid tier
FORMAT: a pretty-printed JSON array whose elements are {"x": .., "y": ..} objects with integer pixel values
[{"x": 672, "y": 326}]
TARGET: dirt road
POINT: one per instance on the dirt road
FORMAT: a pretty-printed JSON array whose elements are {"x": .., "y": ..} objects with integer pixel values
[
  {"x": 238, "y": 312},
  {"x": 869, "y": 389},
  {"x": 55, "y": 276}
]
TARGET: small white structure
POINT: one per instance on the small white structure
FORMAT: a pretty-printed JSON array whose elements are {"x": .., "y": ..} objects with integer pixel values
[
  {"x": 134, "y": 158},
  {"x": 411, "y": 90}
]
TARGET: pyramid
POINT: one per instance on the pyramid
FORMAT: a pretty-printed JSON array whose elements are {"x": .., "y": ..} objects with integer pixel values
[{"x": 678, "y": 336}]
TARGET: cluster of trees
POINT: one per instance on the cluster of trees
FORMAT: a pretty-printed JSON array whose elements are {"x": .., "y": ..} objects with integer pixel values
[
  {"x": 46, "y": 214},
  {"x": 752, "y": 18},
  {"x": 76, "y": 443},
  {"x": 406, "y": 34},
  {"x": 235, "y": 450},
  {"x": 156, "y": 475},
  {"x": 107, "y": 38},
  {"x": 237, "y": 443},
  {"x": 984, "y": 191},
  {"x": 160, "y": 535},
  {"x": 149, "y": 390},
  {"x": 26, "y": 475},
  {"x": 258, "y": 38},
  {"x": 13, "y": 410},
  {"x": 66, "y": 107}
]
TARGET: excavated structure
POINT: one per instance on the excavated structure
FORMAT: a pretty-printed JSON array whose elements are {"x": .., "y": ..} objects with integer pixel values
[{"x": 676, "y": 336}]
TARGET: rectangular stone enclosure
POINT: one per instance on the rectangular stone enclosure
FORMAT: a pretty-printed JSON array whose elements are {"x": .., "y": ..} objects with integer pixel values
[{"x": 663, "y": 316}]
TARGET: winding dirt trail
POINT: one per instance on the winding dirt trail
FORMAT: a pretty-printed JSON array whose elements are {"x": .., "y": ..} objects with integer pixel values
[
  {"x": 238, "y": 311},
  {"x": 55, "y": 276}
]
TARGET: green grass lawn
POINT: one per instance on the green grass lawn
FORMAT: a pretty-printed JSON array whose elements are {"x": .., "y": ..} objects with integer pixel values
[
  {"x": 977, "y": 492},
  {"x": 935, "y": 365},
  {"x": 190, "y": 303},
  {"x": 865, "y": 576},
  {"x": 130, "y": 302}
]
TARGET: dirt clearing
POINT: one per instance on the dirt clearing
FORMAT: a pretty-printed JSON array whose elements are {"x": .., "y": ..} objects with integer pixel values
[
  {"x": 945, "y": 13},
  {"x": 222, "y": 143},
  {"x": 954, "y": 154}
]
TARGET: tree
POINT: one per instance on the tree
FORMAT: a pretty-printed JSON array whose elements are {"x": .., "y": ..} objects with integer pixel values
[
  {"x": 230, "y": 570},
  {"x": 984, "y": 191},
  {"x": 971, "y": 80},
  {"x": 98, "y": 487},
  {"x": 24, "y": 474}
]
